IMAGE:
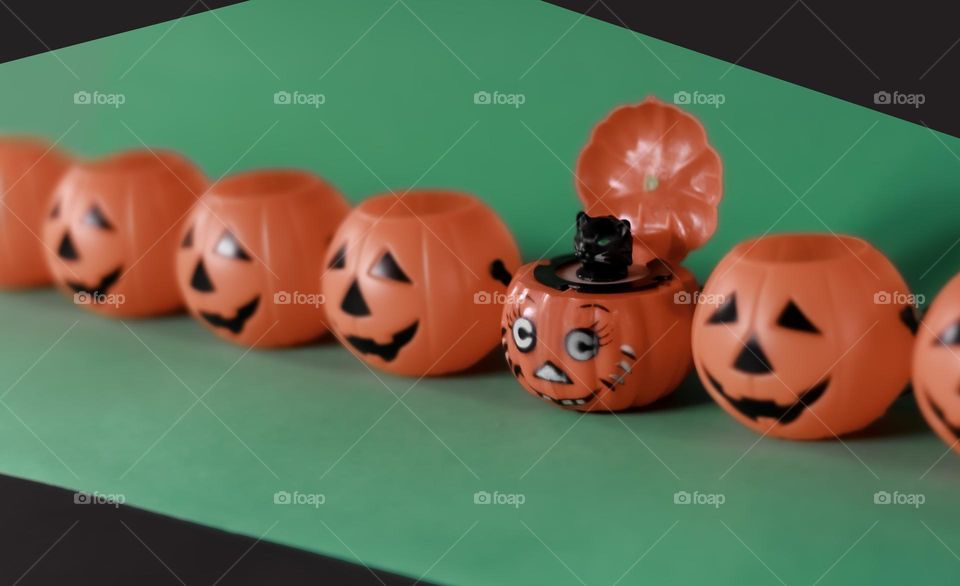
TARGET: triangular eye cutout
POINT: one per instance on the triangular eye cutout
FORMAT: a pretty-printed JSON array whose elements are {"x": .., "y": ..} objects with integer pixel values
[
  {"x": 909, "y": 318},
  {"x": 339, "y": 260},
  {"x": 726, "y": 313},
  {"x": 792, "y": 318},
  {"x": 387, "y": 268},
  {"x": 229, "y": 247},
  {"x": 55, "y": 212},
  {"x": 187, "y": 239},
  {"x": 94, "y": 217},
  {"x": 950, "y": 336}
]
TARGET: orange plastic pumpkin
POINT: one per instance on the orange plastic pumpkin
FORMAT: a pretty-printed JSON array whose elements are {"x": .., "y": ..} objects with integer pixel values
[
  {"x": 251, "y": 255},
  {"x": 413, "y": 282},
  {"x": 112, "y": 231},
  {"x": 651, "y": 164},
  {"x": 936, "y": 365},
  {"x": 804, "y": 336},
  {"x": 594, "y": 346},
  {"x": 29, "y": 171}
]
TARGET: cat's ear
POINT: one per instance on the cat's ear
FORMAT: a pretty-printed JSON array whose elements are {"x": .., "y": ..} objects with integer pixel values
[
  {"x": 624, "y": 228},
  {"x": 582, "y": 219}
]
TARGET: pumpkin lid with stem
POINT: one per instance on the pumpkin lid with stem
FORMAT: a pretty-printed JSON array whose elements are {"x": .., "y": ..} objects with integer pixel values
[{"x": 650, "y": 163}]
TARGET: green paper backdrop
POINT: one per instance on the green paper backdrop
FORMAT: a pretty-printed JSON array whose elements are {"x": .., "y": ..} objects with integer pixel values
[{"x": 105, "y": 406}]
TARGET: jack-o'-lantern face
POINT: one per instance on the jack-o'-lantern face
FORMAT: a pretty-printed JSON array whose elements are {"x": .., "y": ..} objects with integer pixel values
[
  {"x": 936, "y": 365},
  {"x": 112, "y": 229},
  {"x": 603, "y": 347},
  {"x": 412, "y": 284},
  {"x": 251, "y": 255},
  {"x": 804, "y": 336}
]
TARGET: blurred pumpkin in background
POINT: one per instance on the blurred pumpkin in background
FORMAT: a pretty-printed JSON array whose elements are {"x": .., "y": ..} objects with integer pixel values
[
  {"x": 112, "y": 231},
  {"x": 29, "y": 171},
  {"x": 251, "y": 256}
]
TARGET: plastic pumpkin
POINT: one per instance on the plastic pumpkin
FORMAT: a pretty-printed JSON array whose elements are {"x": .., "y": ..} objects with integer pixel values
[
  {"x": 251, "y": 255},
  {"x": 112, "y": 231},
  {"x": 413, "y": 282},
  {"x": 804, "y": 336},
  {"x": 597, "y": 338},
  {"x": 936, "y": 365},
  {"x": 651, "y": 164},
  {"x": 29, "y": 171}
]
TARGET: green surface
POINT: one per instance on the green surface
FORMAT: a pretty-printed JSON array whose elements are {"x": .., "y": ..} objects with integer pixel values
[{"x": 106, "y": 406}]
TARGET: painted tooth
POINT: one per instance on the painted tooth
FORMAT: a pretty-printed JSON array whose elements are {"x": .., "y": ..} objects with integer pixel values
[
  {"x": 566, "y": 402},
  {"x": 628, "y": 350},
  {"x": 624, "y": 366},
  {"x": 580, "y": 401}
]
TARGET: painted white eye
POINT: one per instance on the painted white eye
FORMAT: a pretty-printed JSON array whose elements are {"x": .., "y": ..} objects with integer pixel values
[
  {"x": 524, "y": 334},
  {"x": 582, "y": 344}
]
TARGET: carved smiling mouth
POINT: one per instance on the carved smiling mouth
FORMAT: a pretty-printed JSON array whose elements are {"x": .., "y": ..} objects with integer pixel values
[
  {"x": 101, "y": 289},
  {"x": 233, "y": 324},
  {"x": 754, "y": 408},
  {"x": 387, "y": 351},
  {"x": 938, "y": 412}
]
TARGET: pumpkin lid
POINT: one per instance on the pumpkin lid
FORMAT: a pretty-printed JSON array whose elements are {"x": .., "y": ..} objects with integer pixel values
[{"x": 650, "y": 163}]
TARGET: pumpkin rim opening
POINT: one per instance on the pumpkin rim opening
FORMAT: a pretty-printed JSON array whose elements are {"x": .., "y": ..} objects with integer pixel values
[
  {"x": 141, "y": 162},
  {"x": 802, "y": 248},
  {"x": 416, "y": 204},
  {"x": 265, "y": 182}
]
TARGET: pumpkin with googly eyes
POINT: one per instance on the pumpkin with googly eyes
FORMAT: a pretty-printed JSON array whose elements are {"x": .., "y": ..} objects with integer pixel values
[
  {"x": 804, "y": 336},
  {"x": 413, "y": 281},
  {"x": 251, "y": 255},
  {"x": 584, "y": 333},
  {"x": 936, "y": 365},
  {"x": 112, "y": 231}
]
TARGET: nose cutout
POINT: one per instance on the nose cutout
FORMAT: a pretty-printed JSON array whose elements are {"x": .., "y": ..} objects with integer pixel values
[
  {"x": 200, "y": 281},
  {"x": 752, "y": 360},
  {"x": 353, "y": 302},
  {"x": 67, "y": 250}
]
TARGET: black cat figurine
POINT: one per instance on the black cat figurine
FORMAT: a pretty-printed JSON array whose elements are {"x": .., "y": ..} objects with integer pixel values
[{"x": 604, "y": 246}]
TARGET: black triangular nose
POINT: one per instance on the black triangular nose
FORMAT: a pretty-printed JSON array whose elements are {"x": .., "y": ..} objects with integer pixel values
[
  {"x": 66, "y": 250},
  {"x": 353, "y": 302},
  {"x": 752, "y": 360},
  {"x": 200, "y": 281}
]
